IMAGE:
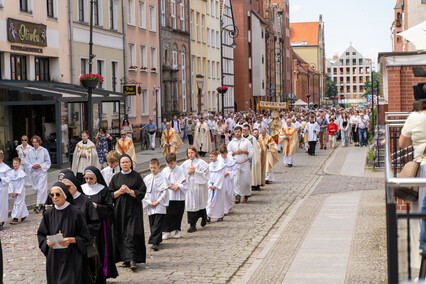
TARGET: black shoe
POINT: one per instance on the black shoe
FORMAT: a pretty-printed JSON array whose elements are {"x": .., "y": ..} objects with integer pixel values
[
  {"x": 192, "y": 229},
  {"x": 204, "y": 221},
  {"x": 1, "y": 227},
  {"x": 290, "y": 165},
  {"x": 208, "y": 220},
  {"x": 155, "y": 247},
  {"x": 37, "y": 209},
  {"x": 152, "y": 149},
  {"x": 237, "y": 199},
  {"x": 133, "y": 264}
]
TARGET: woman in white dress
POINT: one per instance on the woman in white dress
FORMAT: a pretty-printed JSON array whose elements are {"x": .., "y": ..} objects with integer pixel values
[{"x": 23, "y": 150}]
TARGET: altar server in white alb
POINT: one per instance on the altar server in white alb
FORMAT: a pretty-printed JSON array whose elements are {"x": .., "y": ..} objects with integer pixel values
[
  {"x": 85, "y": 155},
  {"x": 112, "y": 160},
  {"x": 16, "y": 181},
  {"x": 38, "y": 160},
  {"x": 228, "y": 182},
  {"x": 242, "y": 150},
  {"x": 197, "y": 175},
  {"x": 216, "y": 198},
  {"x": 156, "y": 201},
  {"x": 178, "y": 187},
  {"x": 4, "y": 204},
  {"x": 255, "y": 160}
]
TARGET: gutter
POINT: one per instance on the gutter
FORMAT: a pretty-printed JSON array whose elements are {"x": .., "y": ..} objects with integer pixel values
[{"x": 71, "y": 30}]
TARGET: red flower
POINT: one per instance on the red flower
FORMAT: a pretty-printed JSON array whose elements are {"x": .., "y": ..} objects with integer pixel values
[{"x": 92, "y": 77}]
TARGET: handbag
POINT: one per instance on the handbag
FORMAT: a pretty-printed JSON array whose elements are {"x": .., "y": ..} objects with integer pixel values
[
  {"x": 410, "y": 170},
  {"x": 335, "y": 133},
  {"x": 91, "y": 249}
]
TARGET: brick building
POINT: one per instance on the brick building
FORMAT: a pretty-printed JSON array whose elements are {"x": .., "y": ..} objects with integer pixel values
[{"x": 305, "y": 80}]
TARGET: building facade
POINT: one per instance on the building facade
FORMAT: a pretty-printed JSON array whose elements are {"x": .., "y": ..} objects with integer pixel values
[
  {"x": 305, "y": 80},
  {"x": 350, "y": 72},
  {"x": 175, "y": 55},
  {"x": 143, "y": 57}
]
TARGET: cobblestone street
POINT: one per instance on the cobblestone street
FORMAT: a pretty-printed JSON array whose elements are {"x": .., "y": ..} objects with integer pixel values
[{"x": 220, "y": 252}]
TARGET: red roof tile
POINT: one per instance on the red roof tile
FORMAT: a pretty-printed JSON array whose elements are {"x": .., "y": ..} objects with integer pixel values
[{"x": 304, "y": 32}]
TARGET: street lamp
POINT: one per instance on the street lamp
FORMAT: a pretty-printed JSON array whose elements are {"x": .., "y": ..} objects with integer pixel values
[
  {"x": 233, "y": 33},
  {"x": 308, "y": 96},
  {"x": 200, "y": 85}
]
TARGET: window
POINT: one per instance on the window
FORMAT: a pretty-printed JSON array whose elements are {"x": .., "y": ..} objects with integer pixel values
[
  {"x": 114, "y": 77},
  {"x": 208, "y": 69},
  {"x": 84, "y": 66},
  {"x": 132, "y": 106},
  {"x": 217, "y": 70},
  {"x": 208, "y": 7},
  {"x": 198, "y": 65},
  {"x": 113, "y": 15},
  {"x": 202, "y": 28},
  {"x": 174, "y": 58},
  {"x": 142, "y": 19},
  {"x": 132, "y": 55},
  {"x": 182, "y": 15},
  {"x": 212, "y": 41},
  {"x": 173, "y": 13},
  {"x": 81, "y": 10},
  {"x": 130, "y": 12},
  {"x": 163, "y": 13},
  {"x": 197, "y": 24},
  {"x": 183, "y": 58},
  {"x": 18, "y": 67},
  {"x": 143, "y": 62},
  {"x": 153, "y": 57},
  {"x": 42, "y": 69},
  {"x": 213, "y": 65},
  {"x": 212, "y": 8},
  {"x": 217, "y": 39},
  {"x": 144, "y": 101},
  {"x": 361, "y": 79},
  {"x": 191, "y": 27},
  {"x": 24, "y": 6},
  {"x": 96, "y": 19},
  {"x": 204, "y": 66},
  {"x": 217, "y": 9},
  {"x": 101, "y": 71},
  {"x": 50, "y": 8},
  {"x": 152, "y": 20},
  {"x": 208, "y": 37}
]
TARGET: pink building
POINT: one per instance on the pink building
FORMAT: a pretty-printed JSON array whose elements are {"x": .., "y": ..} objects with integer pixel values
[{"x": 142, "y": 65}]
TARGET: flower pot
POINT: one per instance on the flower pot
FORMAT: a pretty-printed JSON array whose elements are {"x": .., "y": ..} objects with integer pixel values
[
  {"x": 89, "y": 83},
  {"x": 222, "y": 91}
]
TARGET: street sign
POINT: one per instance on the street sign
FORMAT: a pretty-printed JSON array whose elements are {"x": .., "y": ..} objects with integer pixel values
[
  {"x": 129, "y": 90},
  {"x": 373, "y": 91}
]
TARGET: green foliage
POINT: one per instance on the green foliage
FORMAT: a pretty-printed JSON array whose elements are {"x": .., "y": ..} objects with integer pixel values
[
  {"x": 376, "y": 81},
  {"x": 330, "y": 88},
  {"x": 371, "y": 155}
]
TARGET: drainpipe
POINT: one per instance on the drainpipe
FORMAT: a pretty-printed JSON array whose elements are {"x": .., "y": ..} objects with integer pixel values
[
  {"x": 124, "y": 54},
  {"x": 190, "y": 58},
  {"x": 71, "y": 41}
]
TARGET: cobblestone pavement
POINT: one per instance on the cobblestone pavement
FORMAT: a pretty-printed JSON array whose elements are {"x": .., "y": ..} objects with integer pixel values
[{"x": 212, "y": 254}]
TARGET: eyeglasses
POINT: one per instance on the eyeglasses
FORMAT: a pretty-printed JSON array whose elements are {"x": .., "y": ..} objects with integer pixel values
[
  {"x": 89, "y": 178},
  {"x": 24, "y": 140},
  {"x": 54, "y": 194},
  {"x": 123, "y": 134}
]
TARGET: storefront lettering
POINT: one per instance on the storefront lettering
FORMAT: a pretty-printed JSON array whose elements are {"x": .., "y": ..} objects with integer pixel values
[{"x": 26, "y": 33}]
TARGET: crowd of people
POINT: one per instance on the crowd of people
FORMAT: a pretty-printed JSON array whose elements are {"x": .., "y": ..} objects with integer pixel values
[{"x": 93, "y": 216}]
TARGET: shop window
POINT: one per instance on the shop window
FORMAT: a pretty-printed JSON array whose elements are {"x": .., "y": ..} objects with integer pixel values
[
  {"x": 18, "y": 66},
  {"x": 42, "y": 69}
]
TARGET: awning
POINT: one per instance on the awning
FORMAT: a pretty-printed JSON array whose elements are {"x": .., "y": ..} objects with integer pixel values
[
  {"x": 416, "y": 35},
  {"x": 300, "y": 103},
  {"x": 271, "y": 105},
  {"x": 60, "y": 91}
]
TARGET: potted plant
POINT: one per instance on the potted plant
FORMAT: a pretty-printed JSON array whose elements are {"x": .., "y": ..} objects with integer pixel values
[
  {"x": 153, "y": 69},
  {"x": 91, "y": 80},
  {"x": 144, "y": 68},
  {"x": 133, "y": 68},
  {"x": 222, "y": 89}
]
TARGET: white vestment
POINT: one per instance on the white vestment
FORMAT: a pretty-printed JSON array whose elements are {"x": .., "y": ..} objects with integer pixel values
[
  {"x": 242, "y": 178},
  {"x": 202, "y": 138},
  {"x": 16, "y": 181},
  {"x": 196, "y": 195},
  {"x": 39, "y": 176},
  {"x": 176, "y": 176},
  {"x": 4, "y": 204},
  {"x": 156, "y": 190},
  {"x": 23, "y": 153},
  {"x": 255, "y": 162},
  {"x": 228, "y": 182},
  {"x": 216, "y": 199},
  {"x": 312, "y": 129},
  {"x": 79, "y": 163},
  {"x": 109, "y": 172}
]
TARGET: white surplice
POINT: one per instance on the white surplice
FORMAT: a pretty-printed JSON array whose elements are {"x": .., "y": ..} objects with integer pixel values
[
  {"x": 16, "y": 180},
  {"x": 4, "y": 190},
  {"x": 109, "y": 172},
  {"x": 202, "y": 138},
  {"x": 156, "y": 190},
  {"x": 22, "y": 154},
  {"x": 228, "y": 182},
  {"x": 41, "y": 157},
  {"x": 196, "y": 195},
  {"x": 79, "y": 163},
  {"x": 255, "y": 164},
  {"x": 242, "y": 178},
  {"x": 216, "y": 198},
  {"x": 176, "y": 176},
  {"x": 313, "y": 130}
]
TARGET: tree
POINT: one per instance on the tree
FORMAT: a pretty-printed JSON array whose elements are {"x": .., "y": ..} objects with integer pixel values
[
  {"x": 330, "y": 88},
  {"x": 376, "y": 81}
]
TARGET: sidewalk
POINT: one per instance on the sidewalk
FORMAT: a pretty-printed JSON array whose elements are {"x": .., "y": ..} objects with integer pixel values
[
  {"x": 142, "y": 167},
  {"x": 334, "y": 234}
]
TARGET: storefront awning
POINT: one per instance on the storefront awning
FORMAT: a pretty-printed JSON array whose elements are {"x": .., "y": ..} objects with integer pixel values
[{"x": 60, "y": 91}]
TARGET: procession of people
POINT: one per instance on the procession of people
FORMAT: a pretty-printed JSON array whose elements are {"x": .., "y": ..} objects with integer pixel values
[{"x": 97, "y": 211}]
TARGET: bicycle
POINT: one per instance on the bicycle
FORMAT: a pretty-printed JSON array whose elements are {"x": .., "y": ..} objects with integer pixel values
[{"x": 144, "y": 138}]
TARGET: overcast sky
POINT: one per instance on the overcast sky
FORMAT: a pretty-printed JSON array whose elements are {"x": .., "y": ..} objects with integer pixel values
[{"x": 365, "y": 24}]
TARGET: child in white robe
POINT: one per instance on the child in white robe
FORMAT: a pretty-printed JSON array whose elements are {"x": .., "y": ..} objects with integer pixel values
[
  {"x": 216, "y": 198},
  {"x": 178, "y": 187},
  {"x": 197, "y": 175},
  {"x": 112, "y": 160},
  {"x": 4, "y": 204},
  {"x": 228, "y": 182},
  {"x": 156, "y": 201},
  {"x": 16, "y": 181}
]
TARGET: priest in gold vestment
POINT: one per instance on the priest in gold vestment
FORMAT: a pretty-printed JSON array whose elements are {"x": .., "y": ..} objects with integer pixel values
[
  {"x": 271, "y": 153},
  {"x": 170, "y": 140},
  {"x": 125, "y": 146},
  {"x": 275, "y": 129},
  {"x": 290, "y": 141}
]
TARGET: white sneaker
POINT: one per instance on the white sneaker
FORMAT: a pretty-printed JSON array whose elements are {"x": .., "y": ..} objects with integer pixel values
[
  {"x": 166, "y": 235},
  {"x": 177, "y": 235},
  {"x": 172, "y": 234}
]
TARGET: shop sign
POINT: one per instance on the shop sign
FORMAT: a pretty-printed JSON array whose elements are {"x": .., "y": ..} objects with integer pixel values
[
  {"x": 26, "y": 48},
  {"x": 26, "y": 33},
  {"x": 130, "y": 90}
]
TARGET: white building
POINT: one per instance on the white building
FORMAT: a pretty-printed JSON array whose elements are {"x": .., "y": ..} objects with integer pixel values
[{"x": 258, "y": 56}]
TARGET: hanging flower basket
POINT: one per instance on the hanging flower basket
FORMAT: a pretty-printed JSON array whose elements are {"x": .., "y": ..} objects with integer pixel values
[
  {"x": 222, "y": 90},
  {"x": 153, "y": 69},
  {"x": 144, "y": 69},
  {"x": 91, "y": 80}
]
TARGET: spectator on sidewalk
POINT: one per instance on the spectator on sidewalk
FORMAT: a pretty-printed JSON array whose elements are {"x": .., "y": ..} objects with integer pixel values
[
  {"x": 128, "y": 128},
  {"x": 125, "y": 146},
  {"x": 362, "y": 125},
  {"x": 85, "y": 155},
  {"x": 151, "y": 127},
  {"x": 176, "y": 124},
  {"x": 332, "y": 133},
  {"x": 344, "y": 129},
  {"x": 323, "y": 123},
  {"x": 102, "y": 138},
  {"x": 23, "y": 150},
  {"x": 353, "y": 120},
  {"x": 190, "y": 127},
  {"x": 312, "y": 129}
]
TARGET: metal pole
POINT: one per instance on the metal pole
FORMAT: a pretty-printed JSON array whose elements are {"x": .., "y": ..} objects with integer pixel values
[
  {"x": 221, "y": 65},
  {"x": 275, "y": 67},
  {"x": 89, "y": 90}
]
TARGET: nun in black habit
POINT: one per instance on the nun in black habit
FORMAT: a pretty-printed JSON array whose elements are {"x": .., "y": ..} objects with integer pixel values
[
  {"x": 63, "y": 265},
  {"x": 128, "y": 189},
  {"x": 48, "y": 204},
  {"x": 97, "y": 192}
]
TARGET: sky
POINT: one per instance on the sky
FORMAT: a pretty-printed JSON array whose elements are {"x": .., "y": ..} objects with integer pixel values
[{"x": 365, "y": 24}]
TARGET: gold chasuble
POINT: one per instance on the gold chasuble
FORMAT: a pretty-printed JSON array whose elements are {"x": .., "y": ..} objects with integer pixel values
[
  {"x": 263, "y": 163},
  {"x": 126, "y": 146},
  {"x": 170, "y": 141},
  {"x": 290, "y": 140},
  {"x": 271, "y": 152}
]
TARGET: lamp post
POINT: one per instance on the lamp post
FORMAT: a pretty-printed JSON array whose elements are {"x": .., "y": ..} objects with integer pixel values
[
  {"x": 308, "y": 96},
  {"x": 233, "y": 33},
  {"x": 200, "y": 85}
]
